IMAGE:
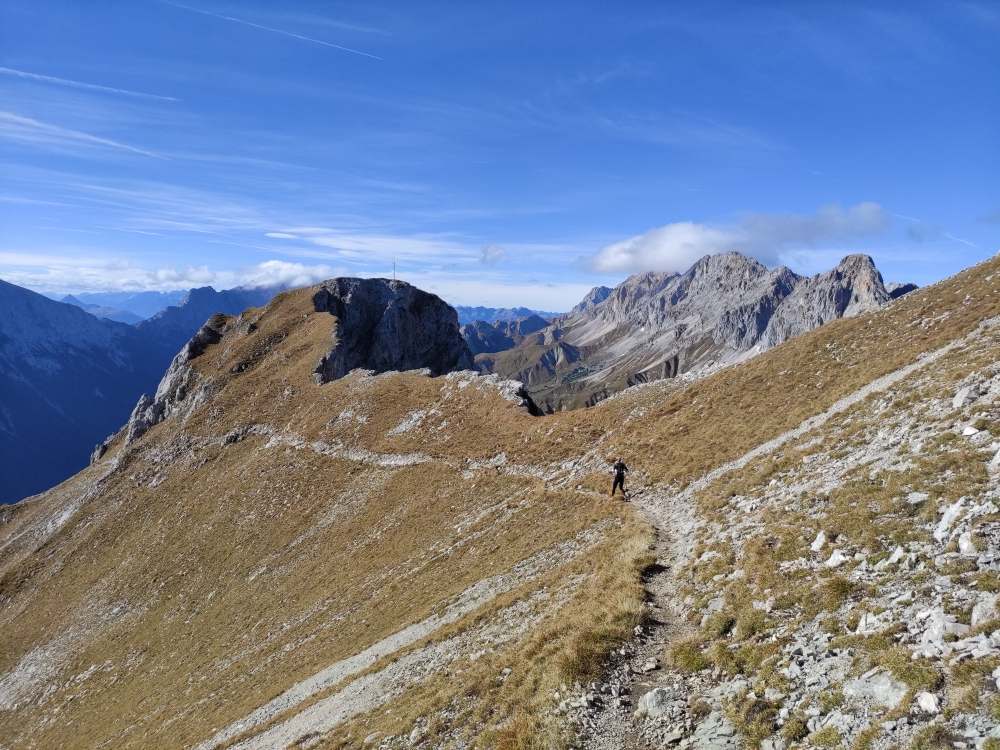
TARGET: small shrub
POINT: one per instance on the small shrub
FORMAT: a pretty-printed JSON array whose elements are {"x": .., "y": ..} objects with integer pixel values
[
  {"x": 831, "y": 700},
  {"x": 853, "y": 619},
  {"x": 686, "y": 655},
  {"x": 827, "y": 737},
  {"x": 866, "y": 739},
  {"x": 755, "y": 718},
  {"x": 750, "y": 622},
  {"x": 700, "y": 709},
  {"x": 795, "y": 729},
  {"x": 992, "y": 743},
  {"x": 988, "y": 582},
  {"x": 719, "y": 625},
  {"x": 934, "y": 737}
]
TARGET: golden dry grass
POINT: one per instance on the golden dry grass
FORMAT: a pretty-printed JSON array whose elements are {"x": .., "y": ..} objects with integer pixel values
[{"x": 204, "y": 577}]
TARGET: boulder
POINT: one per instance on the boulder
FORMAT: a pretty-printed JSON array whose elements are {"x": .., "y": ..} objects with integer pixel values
[
  {"x": 879, "y": 688},
  {"x": 818, "y": 542},
  {"x": 654, "y": 703},
  {"x": 966, "y": 546},
  {"x": 928, "y": 702},
  {"x": 949, "y": 515},
  {"x": 965, "y": 396},
  {"x": 837, "y": 559},
  {"x": 985, "y": 609}
]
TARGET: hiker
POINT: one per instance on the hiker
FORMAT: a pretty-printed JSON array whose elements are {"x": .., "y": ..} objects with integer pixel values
[{"x": 618, "y": 468}]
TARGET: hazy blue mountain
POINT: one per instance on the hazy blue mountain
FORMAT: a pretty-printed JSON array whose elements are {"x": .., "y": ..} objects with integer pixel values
[
  {"x": 143, "y": 304},
  {"x": 121, "y": 316},
  {"x": 68, "y": 379},
  {"x": 491, "y": 314}
]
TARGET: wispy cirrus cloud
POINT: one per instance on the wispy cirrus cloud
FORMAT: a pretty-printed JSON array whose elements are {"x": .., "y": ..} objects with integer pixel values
[
  {"x": 268, "y": 28},
  {"x": 766, "y": 237},
  {"x": 27, "y": 130},
  {"x": 82, "y": 85},
  {"x": 358, "y": 247}
]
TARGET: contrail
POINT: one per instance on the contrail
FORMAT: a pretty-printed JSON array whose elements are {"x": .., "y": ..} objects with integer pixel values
[
  {"x": 81, "y": 85},
  {"x": 15, "y": 125},
  {"x": 276, "y": 31}
]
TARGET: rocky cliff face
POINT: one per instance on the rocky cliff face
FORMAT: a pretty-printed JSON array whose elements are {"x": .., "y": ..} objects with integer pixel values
[
  {"x": 854, "y": 287},
  {"x": 660, "y": 325},
  {"x": 387, "y": 325}
]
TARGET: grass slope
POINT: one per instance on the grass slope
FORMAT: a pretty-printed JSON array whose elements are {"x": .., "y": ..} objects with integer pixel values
[{"x": 282, "y": 526}]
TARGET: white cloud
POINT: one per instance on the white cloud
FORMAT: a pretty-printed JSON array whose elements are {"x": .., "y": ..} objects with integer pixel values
[
  {"x": 61, "y": 274},
  {"x": 491, "y": 254},
  {"x": 766, "y": 237},
  {"x": 280, "y": 273},
  {"x": 281, "y": 235}
]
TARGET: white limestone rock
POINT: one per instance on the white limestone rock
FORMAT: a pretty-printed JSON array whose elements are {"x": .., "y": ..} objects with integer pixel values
[
  {"x": 837, "y": 559},
  {"x": 818, "y": 542},
  {"x": 928, "y": 702},
  {"x": 654, "y": 703},
  {"x": 880, "y": 688}
]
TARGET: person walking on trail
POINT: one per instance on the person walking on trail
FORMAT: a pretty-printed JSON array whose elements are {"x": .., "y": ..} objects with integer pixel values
[{"x": 619, "y": 469}]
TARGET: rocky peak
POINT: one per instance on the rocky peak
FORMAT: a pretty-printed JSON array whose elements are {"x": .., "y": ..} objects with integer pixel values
[
  {"x": 853, "y": 287},
  {"x": 387, "y": 325},
  {"x": 660, "y": 325},
  {"x": 596, "y": 296}
]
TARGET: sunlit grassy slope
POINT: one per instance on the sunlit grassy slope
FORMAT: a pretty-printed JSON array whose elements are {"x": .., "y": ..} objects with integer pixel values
[{"x": 281, "y": 526}]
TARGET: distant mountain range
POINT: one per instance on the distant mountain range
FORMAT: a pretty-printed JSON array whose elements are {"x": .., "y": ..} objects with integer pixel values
[
  {"x": 72, "y": 371},
  {"x": 143, "y": 304},
  {"x": 99, "y": 311},
  {"x": 492, "y": 314},
  {"x": 661, "y": 325},
  {"x": 68, "y": 378}
]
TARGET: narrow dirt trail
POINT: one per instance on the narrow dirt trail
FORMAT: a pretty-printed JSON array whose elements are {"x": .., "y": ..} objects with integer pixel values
[{"x": 673, "y": 517}]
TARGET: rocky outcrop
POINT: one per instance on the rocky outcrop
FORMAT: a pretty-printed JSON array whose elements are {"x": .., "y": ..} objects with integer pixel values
[
  {"x": 896, "y": 289},
  {"x": 387, "y": 325},
  {"x": 660, "y": 325},
  {"x": 177, "y": 384}
]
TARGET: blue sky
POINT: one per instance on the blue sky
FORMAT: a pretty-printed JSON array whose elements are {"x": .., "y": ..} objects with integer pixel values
[{"x": 503, "y": 154}]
